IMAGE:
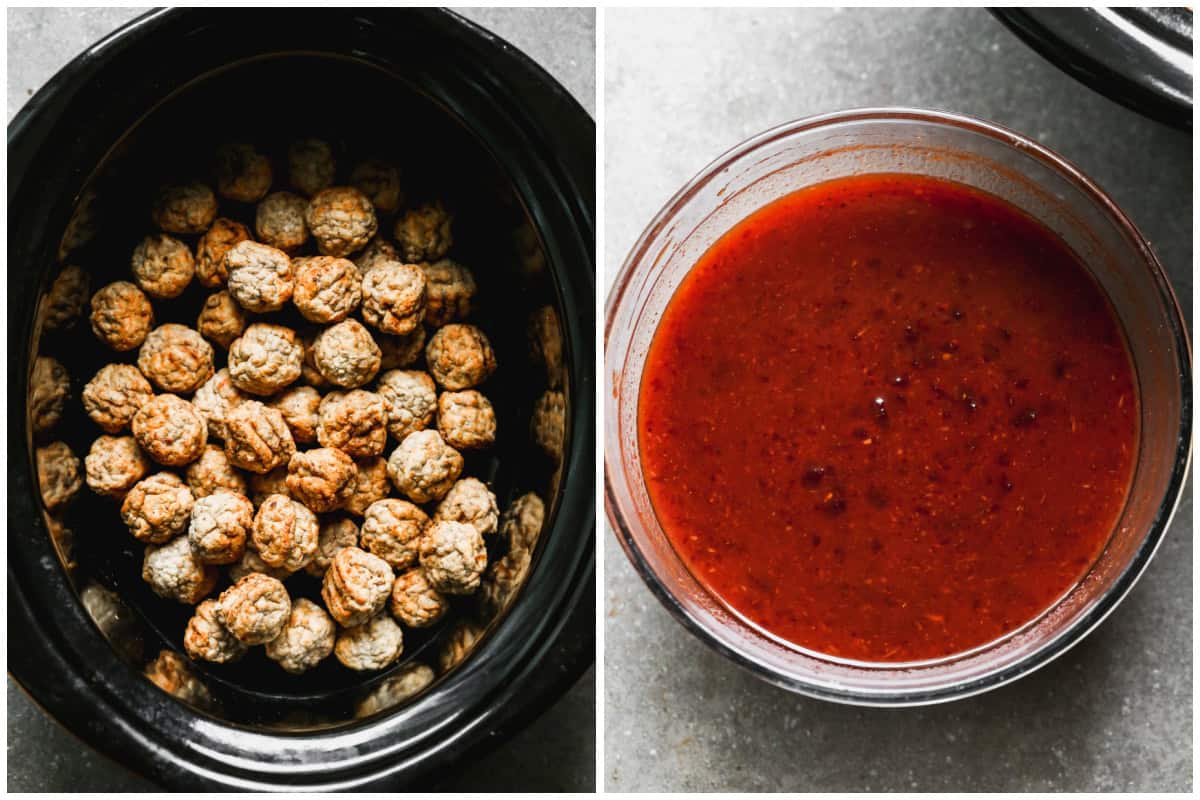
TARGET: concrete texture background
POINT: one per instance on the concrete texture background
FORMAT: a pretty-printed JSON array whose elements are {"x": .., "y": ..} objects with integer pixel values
[
  {"x": 1115, "y": 713},
  {"x": 557, "y": 752}
]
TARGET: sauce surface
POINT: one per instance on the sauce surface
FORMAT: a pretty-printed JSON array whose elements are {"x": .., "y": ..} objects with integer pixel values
[{"x": 888, "y": 418}]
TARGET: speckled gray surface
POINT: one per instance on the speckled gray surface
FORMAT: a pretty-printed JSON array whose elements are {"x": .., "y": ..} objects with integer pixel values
[
  {"x": 556, "y": 752},
  {"x": 1115, "y": 713}
]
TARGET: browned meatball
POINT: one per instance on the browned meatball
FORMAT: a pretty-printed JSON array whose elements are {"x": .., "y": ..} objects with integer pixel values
[
  {"x": 285, "y": 533},
  {"x": 212, "y": 247},
  {"x": 221, "y": 319},
  {"x": 336, "y": 532},
  {"x": 424, "y": 467},
  {"x": 398, "y": 352},
  {"x": 392, "y": 529},
  {"x": 411, "y": 399},
  {"x": 189, "y": 208},
  {"x": 299, "y": 406},
  {"x": 341, "y": 219},
  {"x": 380, "y": 182},
  {"x": 265, "y": 359},
  {"x": 393, "y": 297},
  {"x": 356, "y": 586},
  {"x": 460, "y": 357},
  {"x": 269, "y": 483},
  {"x": 423, "y": 234},
  {"x": 114, "y": 395},
  {"x": 170, "y": 430},
  {"x": 220, "y": 526},
  {"x": 279, "y": 221},
  {"x": 207, "y": 639},
  {"x": 378, "y": 251},
  {"x": 176, "y": 358},
  {"x": 163, "y": 266},
  {"x": 257, "y": 437},
  {"x": 174, "y": 573},
  {"x": 157, "y": 508},
  {"x": 449, "y": 292},
  {"x": 453, "y": 557},
  {"x": 310, "y": 166},
  {"x": 521, "y": 523},
  {"x": 63, "y": 303},
  {"x": 328, "y": 289},
  {"x": 466, "y": 420},
  {"x": 370, "y": 646},
  {"x": 49, "y": 385},
  {"x": 255, "y": 609},
  {"x": 306, "y": 640},
  {"x": 415, "y": 602},
  {"x": 472, "y": 502},
  {"x": 353, "y": 422},
  {"x": 121, "y": 316},
  {"x": 243, "y": 174},
  {"x": 370, "y": 484},
  {"x": 215, "y": 399},
  {"x": 213, "y": 471},
  {"x": 322, "y": 479},
  {"x": 260, "y": 277},
  {"x": 346, "y": 355},
  {"x": 114, "y": 464}
]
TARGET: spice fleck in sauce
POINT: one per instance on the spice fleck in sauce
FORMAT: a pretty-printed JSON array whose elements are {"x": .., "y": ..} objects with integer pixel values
[{"x": 888, "y": 418}]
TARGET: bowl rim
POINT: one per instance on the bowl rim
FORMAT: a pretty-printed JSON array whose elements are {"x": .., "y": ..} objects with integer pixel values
[
  {"x": 621, "y": 526},
  {"x": 117, "y": 711}
]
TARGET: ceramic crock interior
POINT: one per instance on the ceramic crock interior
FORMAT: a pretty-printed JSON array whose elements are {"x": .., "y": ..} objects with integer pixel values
[
  {"x": 270, "y": 102},
  {"x": 783, "y": 161}
]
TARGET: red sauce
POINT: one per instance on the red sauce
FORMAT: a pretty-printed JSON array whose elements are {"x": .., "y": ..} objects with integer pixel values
[{"x": 888, "y": 418}]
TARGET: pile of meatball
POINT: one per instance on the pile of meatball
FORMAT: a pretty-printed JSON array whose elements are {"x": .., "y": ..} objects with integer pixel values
[{"x": 335, "y": 449}]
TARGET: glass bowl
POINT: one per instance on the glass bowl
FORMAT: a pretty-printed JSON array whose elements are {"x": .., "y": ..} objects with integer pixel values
[{"x": 978, "y": 154}]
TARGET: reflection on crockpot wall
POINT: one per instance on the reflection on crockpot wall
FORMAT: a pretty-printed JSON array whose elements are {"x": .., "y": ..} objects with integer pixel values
[{"x": 513, "y": 304}]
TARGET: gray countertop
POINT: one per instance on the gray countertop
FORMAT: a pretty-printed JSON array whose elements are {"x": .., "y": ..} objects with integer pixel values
[
  {"x": 557, "y": 751},
  {"x": 1115, "y": 712}
]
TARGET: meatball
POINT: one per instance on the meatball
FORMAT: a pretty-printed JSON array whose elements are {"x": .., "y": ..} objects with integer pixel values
[
  {"x": 174, "y": 573},
  {"x": 243, "y": 174},
  {"x": 114, "y": 464},
  {"x": 322, "y": 479},
  {"x": 328, "y": 289},
  {"x": 60, "y": 475},
  {"x": 221, "y": 319},
  {"x": 257, "y": 438},
  {"x": 299, "y": 406},
  {"x": 408, "y": 681},
  {"x": 545, "y": 344},
  {"x": 170, "y": 430},
  {"x": 521, "y": 523},
  {"x": 459, "y": 357},
  {"x": 449, "y": 292},
  {"x": 346, "y": 355},
  {"x": 189, "y": 208},
  {"x": 341, "y": 219},
  {"x": 472, "y": 502},
  {"x": 453, "y": 556},
  {"x": 380, "y": 182},
  {"x": 265, "y": 359},
  {"x": 49, "y": 385},
  {"x": 212, "y": 471},
  {"x": 356, "y": 586},
  {"x": 176, "y": 358},
  {"x": 393, "y": 297},
  {"x": 370, "y": 646},
  {"x": 207, "y": 639},
  {"x": 220, "y": 524},
  {"x": 458, "y": 645},
  {"x": 163, "y": 266},
  {"x": 215, "y": 399},
  {"x": 401, "y": 351},
  {"x": 392, "y": 530},
  {"x": 121, "y": 316},
  {"x": 260, "y": 277},
  {"x": 378, "y": 251},
  {"x": 307, "y": 639},
  {"x": 251, "y": 563},
  {"x": 424, "y": 467},
  {"x": 114, "y": 395},
  {"x": 63, "y": 303},
  {"x": 157, "y": 508},
  {"x": 353, "y": 422},
  {"x": 267, "y": 484},
  {"x": 414, "y": 602},
  {"x": 411, "y": 399},
  {"x": 285, "y": 533},
  {"x": 466, "y": 420},
  {"x": 218, "y": 240},
  {"x": 549, "y": 423},
  {"x": 310, "y": 166},
  {"x": 336, "y": 533},
  {"x": 256, "y": 609},
  {"x": 309, "y": 373},
  {"x": 279, "y": 221},
  {"x": 423, "y": 234},
  {"x": 370, "y": 484}
]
